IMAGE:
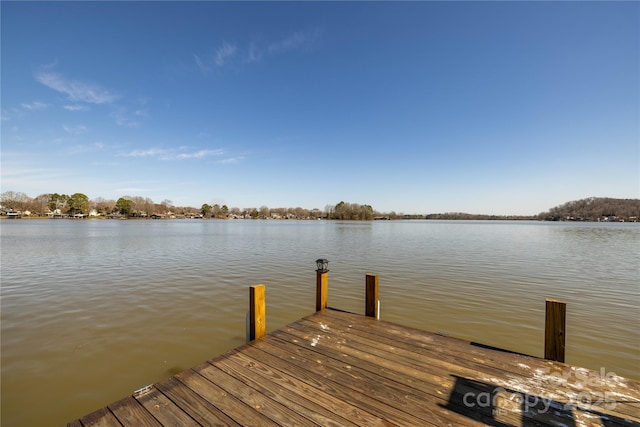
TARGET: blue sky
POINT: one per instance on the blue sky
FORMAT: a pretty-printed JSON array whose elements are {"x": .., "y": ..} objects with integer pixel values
[{"x": 415, "y": 107}]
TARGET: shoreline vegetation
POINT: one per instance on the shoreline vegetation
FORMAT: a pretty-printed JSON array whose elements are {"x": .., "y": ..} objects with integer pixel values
[{"x": 79, "y": 206}]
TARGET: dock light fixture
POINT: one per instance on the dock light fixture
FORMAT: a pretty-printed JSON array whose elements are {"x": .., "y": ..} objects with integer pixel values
[{"x": 323, "y": 265}]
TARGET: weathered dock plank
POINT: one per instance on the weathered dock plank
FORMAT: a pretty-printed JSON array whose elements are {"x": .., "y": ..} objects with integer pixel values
[
  {"x": 522, "y": 373},
  {"x": 339, "y": 369},
  {"x": 371, "y": 397},
  {"x": 275, "y": 412},
  {"x": 198, "y": 408},
  {"x": 165, "y": 410},
  {"x": 385, "y": 386},
  {"x": 402, "y": 382},
  {"x": 130, "y": 413},
  {"x": 322, "y": 409},
  {"x": 100, "y": 418},
  {"x": 482, "y": 371}
]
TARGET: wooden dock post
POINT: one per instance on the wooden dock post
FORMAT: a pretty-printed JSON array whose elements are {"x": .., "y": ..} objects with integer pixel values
[
  {"x": 306, "y": 362},
  {"x": 322, "y": 289},
  {"x": 322, "y": 284},
  {"x": 554, "y": 330},
  {"x": 257, "y": 312},
  {"x": 372, "y": 304}
]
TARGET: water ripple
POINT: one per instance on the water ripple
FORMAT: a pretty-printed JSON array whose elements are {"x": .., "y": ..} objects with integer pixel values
[{"x": 104, "y": 307}]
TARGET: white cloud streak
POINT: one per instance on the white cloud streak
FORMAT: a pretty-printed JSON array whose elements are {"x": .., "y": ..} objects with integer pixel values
[
  {"x": 34, "y": 106},
  {"x": 173, "y": 154},
  {"x": 200, "y": 154},
  {"x": 76, "y": 90},
  {"x": 224, "y": 52},
  {"x": 28, "y": 177},
  {"x": 76, "y": 107},
  {"x": 152, "y": 152},
  {"x": 122, "y": 118},
  {"x": 230, "y": 160},
  {"x": 204, "y": 68},
  {"x": 74, "y": 130},
  {"x": 86, "y": 148},
  {"x": 256, "y": 52},
  {"x": 298, "y": 40}
]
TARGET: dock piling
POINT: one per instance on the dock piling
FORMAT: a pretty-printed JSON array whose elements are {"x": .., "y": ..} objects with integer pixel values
[
  {"x": 554, "y": 330},
  {"x": 372, "y": 304},
  {"x": 322, "y": 284},
  {"x": 257, "y": 312},
  {"x": 298, "y": 375}
]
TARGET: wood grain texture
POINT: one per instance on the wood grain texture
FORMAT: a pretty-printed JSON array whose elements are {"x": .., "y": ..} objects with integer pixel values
[
  {"x": 371, "y": 296},
  {"x": 554, "y": 330},
  {"x": 257, "y": 312},
  {"x": 333, "y": 368}
]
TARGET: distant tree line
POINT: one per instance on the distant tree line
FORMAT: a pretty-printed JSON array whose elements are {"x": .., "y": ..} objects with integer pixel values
[
  {"x": 595, "y": 209},
  {"x": 79, "y": 203},
  {"x": 350, "y": 211},
  {"x": 589, "y": 209},
  {"x": 468, "y": 216},
  {"x": 144, "y": 207}
]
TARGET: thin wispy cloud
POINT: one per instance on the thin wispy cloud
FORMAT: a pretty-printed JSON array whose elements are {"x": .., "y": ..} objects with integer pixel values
[
  {"x": 86, "y": 148},
  {"x": 257, "y": 51},
  {"x": 230, "y": 160},
  {"x": 76, "y": 107},
  {"x": 25, "y": 175},
  {"x": 174, "y": 154},
  {"x": 200, "y": 154},
  {"x": 123, "y": 116},
  {"x": 74, "y": 130},
  {"x": 76, "y": 90},
  {"x": 298, "y": 40},
  {"x": 34, "y": 106},
  {"x": 126, "y": 119},
  {"x": 204, "y": 68},
  {"x": 224, "y": 52},
  {"x": 151, "y": 152}
]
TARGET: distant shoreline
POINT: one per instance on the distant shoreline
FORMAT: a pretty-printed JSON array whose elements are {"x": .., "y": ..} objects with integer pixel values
[
  {"x": 412, "y": 218},
  {"x": 78, "y": 206}
]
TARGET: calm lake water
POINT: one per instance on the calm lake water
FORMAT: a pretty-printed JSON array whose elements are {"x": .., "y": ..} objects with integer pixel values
[{"x": 93, "y": 310}]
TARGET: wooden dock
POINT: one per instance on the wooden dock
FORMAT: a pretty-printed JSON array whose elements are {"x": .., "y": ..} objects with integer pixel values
[{"x": 333, "y": 368}]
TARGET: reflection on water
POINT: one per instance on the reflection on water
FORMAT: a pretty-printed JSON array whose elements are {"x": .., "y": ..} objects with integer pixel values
[{"x": 92, "y": 310}]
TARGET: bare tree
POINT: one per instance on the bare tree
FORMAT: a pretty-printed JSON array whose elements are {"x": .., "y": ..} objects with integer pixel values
[
  {"x": 12, "y": 200},
  {"x": 103, "y": 206},
  {"x": 167, "y": 205},
  {"x": 264, "y": 212},
  {"x": 216, "y": 211},
  {"x": 40, "y": 204},
  {"x": 235, "y": 211}
]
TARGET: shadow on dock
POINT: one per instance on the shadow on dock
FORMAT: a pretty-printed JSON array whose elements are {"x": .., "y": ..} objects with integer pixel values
[
  {"x": 334, "y": 368},
  {"x": 501, "y": 406}
]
